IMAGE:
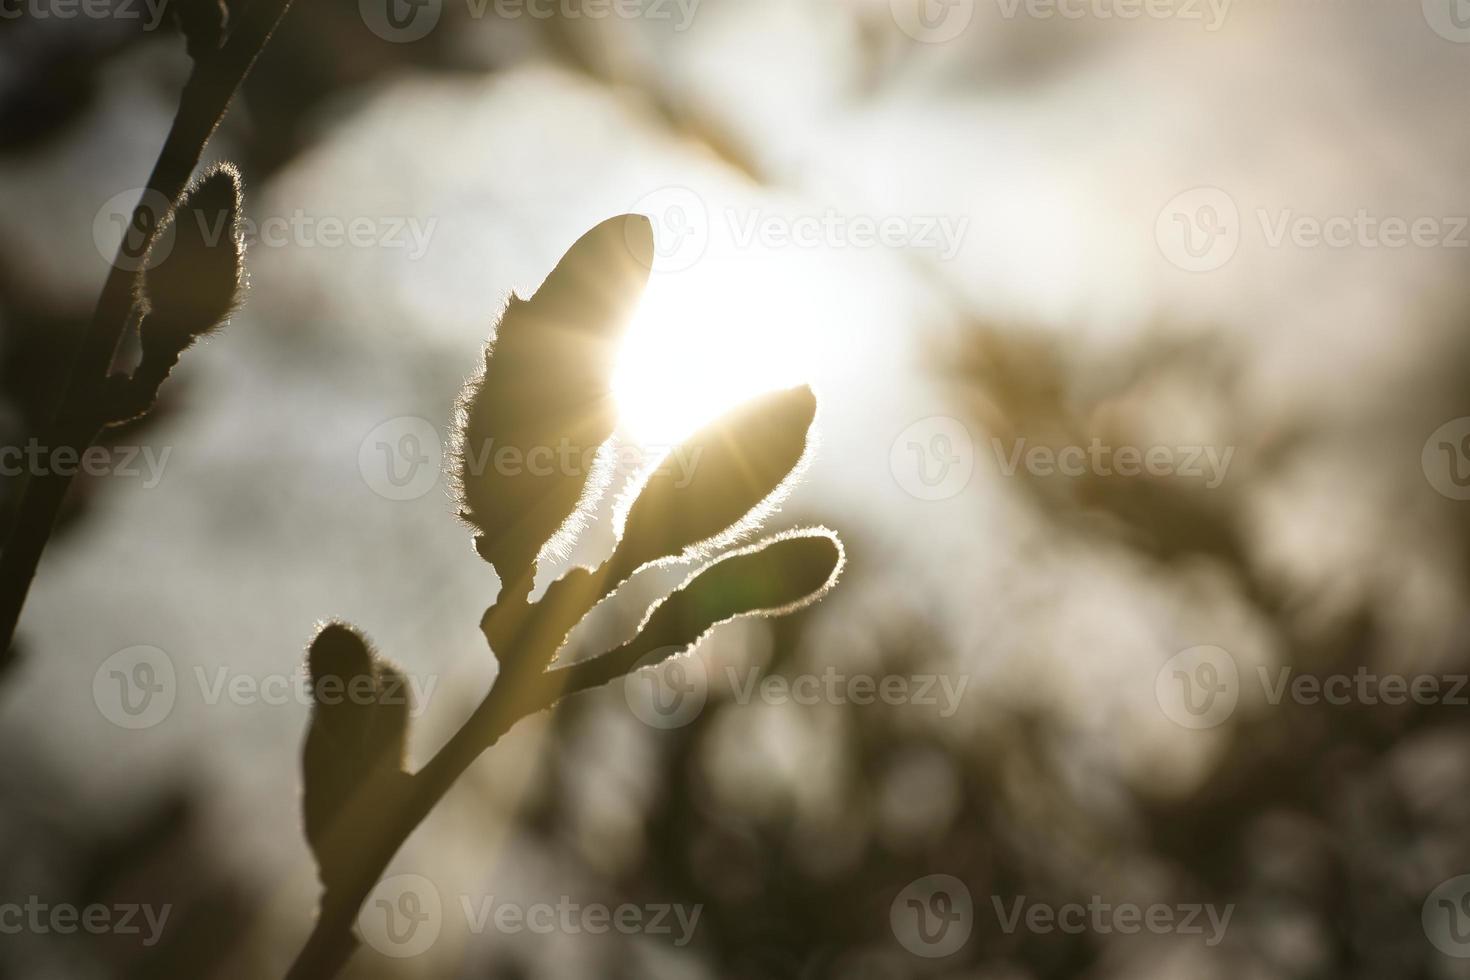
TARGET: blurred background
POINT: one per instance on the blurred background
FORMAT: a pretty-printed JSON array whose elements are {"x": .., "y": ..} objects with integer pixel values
[{"x": 1139, "y": 331}]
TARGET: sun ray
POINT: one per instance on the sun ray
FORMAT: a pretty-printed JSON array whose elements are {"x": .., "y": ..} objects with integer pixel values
[{"x": 698, "y": 347}]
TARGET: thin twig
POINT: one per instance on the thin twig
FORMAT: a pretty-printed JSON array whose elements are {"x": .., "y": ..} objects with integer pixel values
[
  {"x": 523, "y": 688},
  {"x": 206, "y": 96},
  {"x": 516, "y": 694}
]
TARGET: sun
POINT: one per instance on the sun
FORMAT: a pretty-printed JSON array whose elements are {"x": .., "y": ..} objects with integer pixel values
[{"x": 698, "y": 346}]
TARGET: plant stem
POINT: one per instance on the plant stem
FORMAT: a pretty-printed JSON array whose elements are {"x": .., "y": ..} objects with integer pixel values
[
  {"x": 523, "y": 688},
  {"x": 516, "y": 694},
  {"x": 206, "y": 96}
]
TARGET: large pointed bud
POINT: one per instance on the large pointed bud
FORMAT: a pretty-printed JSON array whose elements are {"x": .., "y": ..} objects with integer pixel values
[{"x": 532, "y": 421}]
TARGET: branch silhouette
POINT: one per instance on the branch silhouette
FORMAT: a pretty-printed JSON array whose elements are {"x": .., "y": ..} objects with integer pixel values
[
  {"x": 546, "y": 382},
  {"x": 223, "y": 55}
]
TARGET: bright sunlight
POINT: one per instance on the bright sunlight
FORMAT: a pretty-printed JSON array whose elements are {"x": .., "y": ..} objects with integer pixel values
[{"x": 704, "y": 341}]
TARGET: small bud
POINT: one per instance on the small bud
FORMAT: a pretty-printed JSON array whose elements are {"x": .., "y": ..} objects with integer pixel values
[
  {"x": 353, "y": 755},
  {"x": 770, "y": 578},
  {"x": 195, "y": 285},
  {"x": 738, "y": 469}
]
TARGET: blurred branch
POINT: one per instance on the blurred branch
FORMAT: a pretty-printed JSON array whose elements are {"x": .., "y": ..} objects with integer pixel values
[{"x": 205, "y": 98}]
